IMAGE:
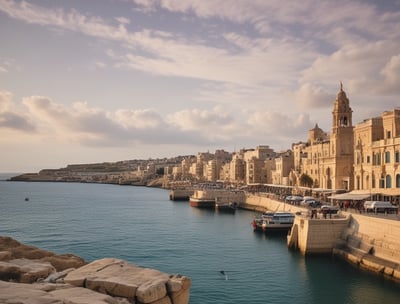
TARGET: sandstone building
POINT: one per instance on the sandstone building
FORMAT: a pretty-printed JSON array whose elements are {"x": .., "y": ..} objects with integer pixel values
[
  {"x": 328, "y": 160},
  {"x": 377, "y": 155}
]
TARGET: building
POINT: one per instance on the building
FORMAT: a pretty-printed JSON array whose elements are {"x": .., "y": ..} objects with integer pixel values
[
  {"x": 283, "y": 166},
  {"x": 328, "y": 159},
  {"x": 377, "y": 155}
]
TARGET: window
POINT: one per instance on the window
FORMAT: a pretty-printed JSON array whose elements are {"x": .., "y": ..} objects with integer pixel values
[
  {"x": 397, "y": 180},
  {"x": 388, "y": 134},
  {"x": 397, "y": 157},
  {"x": 368, "y": 159},
  {"x": 387, "y": 157},
  {"x": 388, "y": 181}
]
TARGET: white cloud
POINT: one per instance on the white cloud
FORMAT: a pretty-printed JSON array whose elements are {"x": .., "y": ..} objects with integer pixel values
[
  {"x": 5, "y": 100},
  {"x": 310, "y": 96},
  {"x": 94, "y": 126},
  {"x": 10, "y": 119},
  {"x": 391, "y": 76}
]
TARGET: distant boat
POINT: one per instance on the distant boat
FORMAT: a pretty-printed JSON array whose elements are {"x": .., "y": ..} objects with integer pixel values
[
  {"x": 226, "y": 207},
  {"x": 26, "y": 199},
  {"x": 273, "y": 221}
]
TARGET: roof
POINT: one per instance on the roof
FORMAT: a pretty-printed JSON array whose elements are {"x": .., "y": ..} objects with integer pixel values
[{"x": 354, "y": 196}]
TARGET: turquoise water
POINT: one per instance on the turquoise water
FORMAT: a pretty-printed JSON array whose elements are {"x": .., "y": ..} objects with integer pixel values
[{"x": 142, "y": 226}]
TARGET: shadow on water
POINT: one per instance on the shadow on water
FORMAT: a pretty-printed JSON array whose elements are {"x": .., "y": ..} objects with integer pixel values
[{"x": 355, "y": 285}]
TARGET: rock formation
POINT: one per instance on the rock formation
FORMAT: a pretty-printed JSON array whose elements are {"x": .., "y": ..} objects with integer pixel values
[{"x": 31, "y": 275}]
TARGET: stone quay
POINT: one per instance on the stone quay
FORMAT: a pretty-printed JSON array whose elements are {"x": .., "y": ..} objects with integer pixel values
[
  {"x": 370, "y": 242},
  {"x": 29, "y": 275}
]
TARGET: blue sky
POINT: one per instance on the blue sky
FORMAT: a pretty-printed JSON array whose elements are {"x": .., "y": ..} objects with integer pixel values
[{"x": 108, "y": 80}]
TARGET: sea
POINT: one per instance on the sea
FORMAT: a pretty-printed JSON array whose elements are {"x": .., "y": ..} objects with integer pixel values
[{"x": 225, "y": 259}]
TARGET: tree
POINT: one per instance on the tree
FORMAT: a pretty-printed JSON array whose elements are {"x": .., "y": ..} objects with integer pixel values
[{"x": 306, "y": 180}]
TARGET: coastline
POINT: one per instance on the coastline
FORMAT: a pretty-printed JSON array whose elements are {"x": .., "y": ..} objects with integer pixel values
[{"x": 32, "y": 275}]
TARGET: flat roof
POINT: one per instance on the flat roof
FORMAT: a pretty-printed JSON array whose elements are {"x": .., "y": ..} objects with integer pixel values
[{"x": 351, "y": 196}]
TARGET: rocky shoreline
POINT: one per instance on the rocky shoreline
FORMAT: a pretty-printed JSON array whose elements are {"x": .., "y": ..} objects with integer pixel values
[{"x": 32, "y": 275}]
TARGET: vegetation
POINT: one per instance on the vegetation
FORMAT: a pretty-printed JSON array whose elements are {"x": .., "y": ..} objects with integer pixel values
[{"x": 306, "y": 180}]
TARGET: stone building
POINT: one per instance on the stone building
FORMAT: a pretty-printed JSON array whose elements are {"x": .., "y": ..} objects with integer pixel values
[
  {"x": 328, "y": 159},
  {"x": 283, "y": 165},
  {"x": 377, "y": 155},
  {"x": 237, "y": 170}
]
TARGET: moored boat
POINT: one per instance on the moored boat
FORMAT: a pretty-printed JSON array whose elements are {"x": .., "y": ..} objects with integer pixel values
[
  {"x": 226, "y": 207},
  {"x": 273, "y": 221}
]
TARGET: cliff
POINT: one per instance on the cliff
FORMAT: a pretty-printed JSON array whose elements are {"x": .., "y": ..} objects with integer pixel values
[{"x": 32, "y": 275}]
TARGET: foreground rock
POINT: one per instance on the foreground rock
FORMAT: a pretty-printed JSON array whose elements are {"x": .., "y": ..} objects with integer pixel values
[{"x": 32, "y": 275}]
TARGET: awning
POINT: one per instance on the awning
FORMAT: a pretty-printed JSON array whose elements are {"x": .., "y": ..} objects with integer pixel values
[{"x": 350, "y": 196}]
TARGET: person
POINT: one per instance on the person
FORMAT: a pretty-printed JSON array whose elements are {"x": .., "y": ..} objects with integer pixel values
[{"x": 313, "y": 213}]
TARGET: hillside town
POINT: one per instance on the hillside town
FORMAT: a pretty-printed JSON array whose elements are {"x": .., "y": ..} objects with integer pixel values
[{"x": 362, "y": 159}]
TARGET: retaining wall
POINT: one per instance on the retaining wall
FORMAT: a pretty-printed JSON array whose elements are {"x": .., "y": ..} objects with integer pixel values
[{"x": 383, "y": 234}]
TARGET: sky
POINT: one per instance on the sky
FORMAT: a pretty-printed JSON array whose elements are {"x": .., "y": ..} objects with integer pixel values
[{"x": 109, "y": 80}]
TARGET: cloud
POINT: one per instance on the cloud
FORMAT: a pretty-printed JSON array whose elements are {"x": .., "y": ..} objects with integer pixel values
[
  {"x": 11, "y": 120},
  {"x": 92, "y": 126},
  {"x": 261, "y": 54},
  {"x": 309, "y": 96},
  {"x": 391, "y": 76}
]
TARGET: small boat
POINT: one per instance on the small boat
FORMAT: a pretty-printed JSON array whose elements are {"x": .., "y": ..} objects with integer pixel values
[
  {"x": 273, "y": 221},
  {"x": 226, "y": 207}
]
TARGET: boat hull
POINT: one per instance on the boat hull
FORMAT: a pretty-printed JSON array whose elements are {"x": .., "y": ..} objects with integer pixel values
[{"x": 227, "y": 208}]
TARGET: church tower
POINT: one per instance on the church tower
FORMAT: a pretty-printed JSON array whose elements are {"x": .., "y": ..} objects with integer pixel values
[{"x": 342, "y": 141}]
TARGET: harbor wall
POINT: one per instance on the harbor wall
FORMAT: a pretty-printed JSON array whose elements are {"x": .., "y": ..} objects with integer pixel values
[
  {"x": 180, "y": 194},
  {"x": 317, "y": 236},
  {"x": 265, "y": 201},
  {"x": 381, "y": 234}
]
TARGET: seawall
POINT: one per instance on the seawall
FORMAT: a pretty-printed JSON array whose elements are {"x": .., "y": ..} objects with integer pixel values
[{"x": 369, "y": 242}]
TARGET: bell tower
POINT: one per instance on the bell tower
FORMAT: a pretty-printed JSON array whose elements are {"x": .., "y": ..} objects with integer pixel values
[
  {"x": 342, "y": 140},
  {"x": 342, "y": 113}
]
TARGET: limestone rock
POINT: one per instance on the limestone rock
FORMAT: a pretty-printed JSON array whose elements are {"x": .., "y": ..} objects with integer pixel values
[
  {"x": 122, "y": 279},
  {"x": 79, "y": 295},
  {"x": 11, "y": 293},
  {"x": 151, "y": 291},
  {"x": 25, "y": 271},
  {"x": 178, "y": 288},
  {"x": 11, "y": 249}
]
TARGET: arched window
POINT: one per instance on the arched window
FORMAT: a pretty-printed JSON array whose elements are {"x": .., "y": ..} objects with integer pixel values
[
  {"x": 388, "y": 181},
  {"x": 397, "y": 180}
]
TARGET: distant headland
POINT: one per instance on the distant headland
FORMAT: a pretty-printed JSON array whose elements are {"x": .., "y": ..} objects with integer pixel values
[{"x": 129, "y": 172}]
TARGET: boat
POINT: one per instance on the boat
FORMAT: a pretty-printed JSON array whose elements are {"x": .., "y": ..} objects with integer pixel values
[
  {"x": 226, "y": 207},
  {"x": 273, "y": 221}
]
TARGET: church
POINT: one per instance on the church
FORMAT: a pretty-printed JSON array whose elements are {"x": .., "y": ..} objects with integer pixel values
[{"x": 328, "y": 158}]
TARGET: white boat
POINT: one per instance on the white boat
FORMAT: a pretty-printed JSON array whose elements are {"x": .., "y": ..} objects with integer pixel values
[{"x": 273, "y": 221}]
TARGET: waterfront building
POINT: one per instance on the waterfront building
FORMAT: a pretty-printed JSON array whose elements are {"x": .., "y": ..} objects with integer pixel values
[
  {"x": 328, "y": 159},
  {"x": 377, "y": 156},
  {"x": 283, "y": 166},
  {"x": 255, "y": 171},
  {"x": 237, "y": 168}
]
